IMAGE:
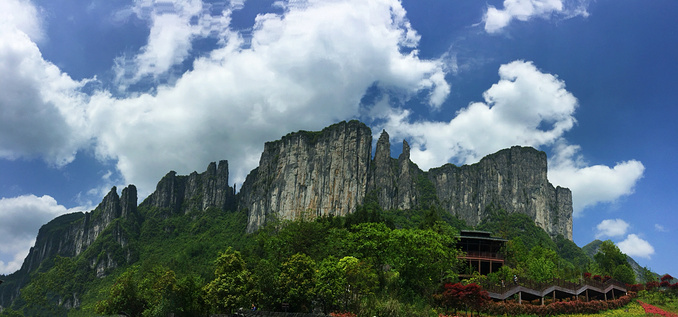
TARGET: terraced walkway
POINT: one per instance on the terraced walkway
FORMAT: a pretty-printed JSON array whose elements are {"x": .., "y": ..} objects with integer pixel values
[{"x": 558, "y": 289}]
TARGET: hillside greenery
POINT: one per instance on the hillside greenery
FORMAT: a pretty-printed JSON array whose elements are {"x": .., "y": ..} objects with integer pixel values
[{"x": 371, "y": 262}]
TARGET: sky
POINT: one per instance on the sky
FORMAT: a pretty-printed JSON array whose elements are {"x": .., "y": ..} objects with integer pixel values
[{"x": 100, "y": 93}]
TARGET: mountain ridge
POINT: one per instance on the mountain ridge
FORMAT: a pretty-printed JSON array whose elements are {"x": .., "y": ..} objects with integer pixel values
[{"x": 328, "y": 172}]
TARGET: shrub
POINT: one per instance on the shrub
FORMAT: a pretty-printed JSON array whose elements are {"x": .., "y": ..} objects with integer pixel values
[
  {"x": 651, "y": 285},
  {"x": 667, "y": 278},
  {"x": 557, "y": 308},
  {"x": 635, "y": 287}
]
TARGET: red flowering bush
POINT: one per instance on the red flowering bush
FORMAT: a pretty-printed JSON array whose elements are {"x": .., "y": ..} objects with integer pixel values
[
  {"x": 652, "y": 310},
  {"x": 597, "y": 278},
  {"x": 635, "y": 287},
  {"x": 664, "y": 284},
  {"x": 458, "y": 296},
  {"x": 667, "y": 278},
  {"x": 557, "y": 308},
  {"x": 651, "y": 285},
  {"x": 587, "y": 275},
  {"x": 606, "y": 278}
]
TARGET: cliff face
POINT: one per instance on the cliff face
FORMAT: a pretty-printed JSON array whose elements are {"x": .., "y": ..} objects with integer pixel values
[
  {"x": 308, "y": 174},
  {"x": 71, "y": 234},
  {"x": 319, "y": 173},
  {"x": 393, "y": 181},
  {"x": 329, "y": 172},
  {"x": 514, "y": 179},
  {"x": 195, "y": 192}
]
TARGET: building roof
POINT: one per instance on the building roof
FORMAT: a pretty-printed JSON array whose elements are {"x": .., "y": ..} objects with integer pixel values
[{"x": 482, "y": 235}]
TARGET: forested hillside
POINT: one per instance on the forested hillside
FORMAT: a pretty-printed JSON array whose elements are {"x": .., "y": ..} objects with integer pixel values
[{"x": 370, "y": 262}]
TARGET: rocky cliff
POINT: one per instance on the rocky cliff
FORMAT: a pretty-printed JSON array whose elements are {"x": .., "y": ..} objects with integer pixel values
[
  {"x": 513, "y": 179},
  {"x": 310, "y": 174},
  {"x": 330, "y": 172},
  {"x": 71, "y": 234},
  {"x": 320, "y": 173},
  {"x": 195, "y": 192}
]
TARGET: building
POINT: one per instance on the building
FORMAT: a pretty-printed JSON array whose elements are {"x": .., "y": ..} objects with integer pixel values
[{"x": 482, "y": 252}]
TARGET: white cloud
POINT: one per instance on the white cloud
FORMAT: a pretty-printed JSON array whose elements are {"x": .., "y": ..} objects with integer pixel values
[
  {"x": 524, "y": 10},
  {"x": 611, "y": 228},
  {"x": 595, "y": 184},
  {"x": 303, "y": 69},
  {"x": 20, "y": 219},
  {"x": 659, "y": 228},
  {"x": 39, "y": 105},
  {"x": 526, "y": 107},
  {"x": 22, "y": 15},
  {"x": 174, "y": 25},
  {"x": 635, "y": 246}
]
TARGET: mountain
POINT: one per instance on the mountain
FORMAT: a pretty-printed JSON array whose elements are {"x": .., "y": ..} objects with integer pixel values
[
  {"x": 330, "y": 172},
  {"x": 592, "y": 248},
  {"x": 322, "y": 173}
]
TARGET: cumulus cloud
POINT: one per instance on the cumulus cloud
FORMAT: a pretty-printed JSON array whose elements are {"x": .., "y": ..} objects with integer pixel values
[
  {"x": 595, "y": 184},
  {"x": 21, "y": 15},
  {"x": 173, "y": 26},
  {"x": 20, "y": 219},
  {"x": 39, "y": 105},
  {"x": 635, "y": 246},
  {"x": 523, "y": 10},
  {"x": 305, "y": 68},
  {"x": 526, "y": 107},
  {"x": 611, "y": 228}
]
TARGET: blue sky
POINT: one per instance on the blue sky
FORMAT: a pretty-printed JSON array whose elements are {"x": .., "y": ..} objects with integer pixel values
[{"x": 95, "y": 94}]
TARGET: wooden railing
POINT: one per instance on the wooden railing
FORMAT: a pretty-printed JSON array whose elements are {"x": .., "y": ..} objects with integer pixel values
[
  {"x": 483, "y": 255},
  {"x": 540, "y": 287}
]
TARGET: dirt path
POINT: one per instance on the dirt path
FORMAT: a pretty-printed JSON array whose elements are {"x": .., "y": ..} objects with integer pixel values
[{"x": 649, "y": 309}]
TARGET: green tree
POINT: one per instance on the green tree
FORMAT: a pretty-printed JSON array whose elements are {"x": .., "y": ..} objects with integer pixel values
[
  {"x": 233, "y": 284},
  {"x": 124, "y": 297},
  {"x": 151, "y": 293},
  {"x": 369, "y": 241},
  {"x": 646, "y": 275},
  {"x": 541, "y": 264},
  {"x": 330, "y": 284},
  {"x": 609, "y": 257},
  {"x": 360, "y": 280},
  {"x": 612, "y": 261},
  {"x": 624, "y": 273},
  {"x": 267, "y": 274},
  {"x": 424, "y": 258},
  {"x": 297, "y": 282}
]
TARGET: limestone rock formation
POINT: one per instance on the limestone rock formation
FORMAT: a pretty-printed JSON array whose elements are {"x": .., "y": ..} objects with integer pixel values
[
  {"x": 182, "y": 194},
  {"x": 331, "y": 171},
  {"x": 315, "y": 173},
  {"x": 309, "y": 174},
  {"x": 70, "y": 234},
  {"x": 393, "y": 180},
  {"x": 513, "y": 179}
]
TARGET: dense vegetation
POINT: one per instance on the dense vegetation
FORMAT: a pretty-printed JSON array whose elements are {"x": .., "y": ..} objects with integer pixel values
[{"x": 372, "y": 262}]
